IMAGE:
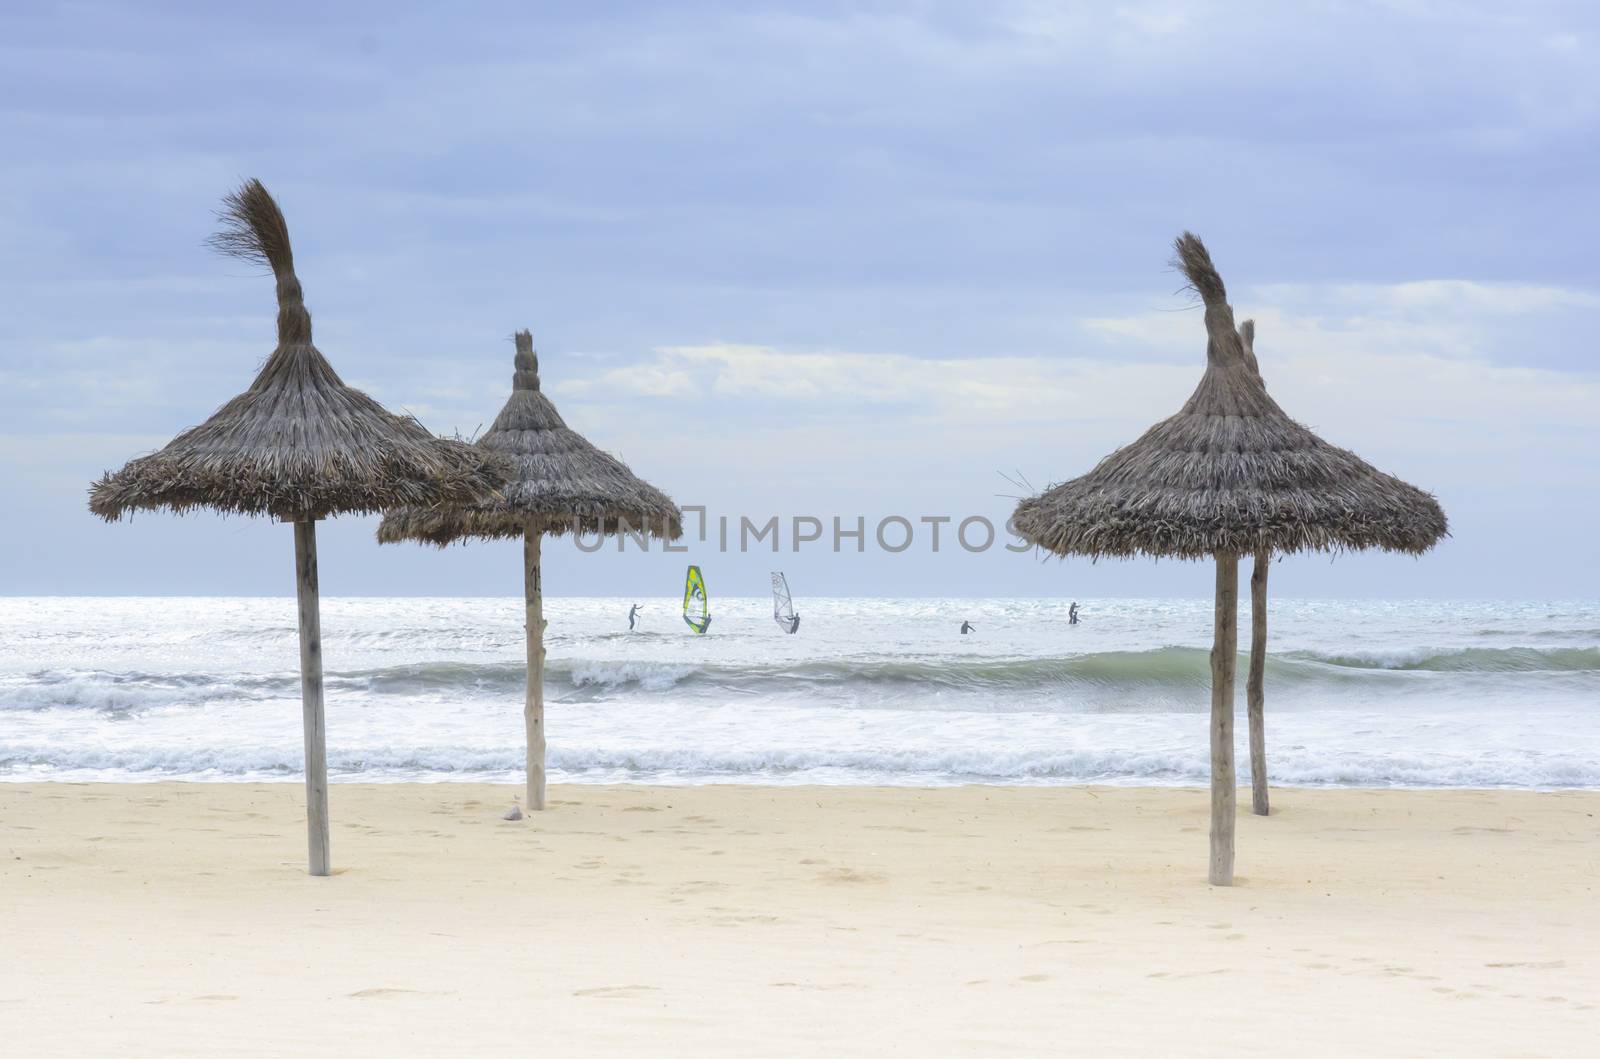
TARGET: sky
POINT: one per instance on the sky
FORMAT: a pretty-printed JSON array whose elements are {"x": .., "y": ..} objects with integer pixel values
[{"x": 811, "y": 260}]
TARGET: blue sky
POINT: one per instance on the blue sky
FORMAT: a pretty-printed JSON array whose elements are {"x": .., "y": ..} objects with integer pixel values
[{"x": 812, "y": 259}]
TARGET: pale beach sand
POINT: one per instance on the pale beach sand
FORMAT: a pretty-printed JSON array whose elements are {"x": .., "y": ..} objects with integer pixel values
[{"x": 176, "y": 919}]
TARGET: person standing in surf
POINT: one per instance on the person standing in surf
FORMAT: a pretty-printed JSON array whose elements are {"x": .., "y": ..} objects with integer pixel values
[
  {"x": 631, "y": 612},
  {"x": 967, "y": 626},
  {"x": 1072, "y": 613}
]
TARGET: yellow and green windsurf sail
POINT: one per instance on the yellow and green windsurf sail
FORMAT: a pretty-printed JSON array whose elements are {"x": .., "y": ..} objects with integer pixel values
[{"x": 696, "y": 605}]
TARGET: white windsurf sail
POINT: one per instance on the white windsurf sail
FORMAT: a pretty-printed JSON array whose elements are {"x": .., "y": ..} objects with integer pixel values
[{"x": 783, "y": 604}]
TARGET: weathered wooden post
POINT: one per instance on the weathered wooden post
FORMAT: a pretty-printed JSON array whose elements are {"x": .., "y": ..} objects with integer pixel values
[
  {"x": 1224, "y": 659},
  {"x": 533, "y": 709},
  {"x": 1255, "y": 684},
  {"x": 316, "y": 730}
]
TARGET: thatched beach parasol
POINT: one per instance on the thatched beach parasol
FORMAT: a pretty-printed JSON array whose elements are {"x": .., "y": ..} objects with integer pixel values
[
  {"x": 298, "y": 446},
  {"x": 1231, "y": 474},
  {"x": 560, "y": 483}
]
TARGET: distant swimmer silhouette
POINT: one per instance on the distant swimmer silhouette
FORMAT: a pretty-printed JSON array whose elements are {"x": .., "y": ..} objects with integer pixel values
[
  {"x": 966, "y": 627},
  {"x": 1072, "y": 613},
  {"x": 631, "y": 612}
]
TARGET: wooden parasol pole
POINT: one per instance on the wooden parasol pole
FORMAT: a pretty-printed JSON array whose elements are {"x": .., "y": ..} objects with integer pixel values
[
  {"x": 1224, "y": 659},
  {"x": 1255, "y": 685},
  {"x": 533, "y": 711},
  {"x": 316, "y": 728}
]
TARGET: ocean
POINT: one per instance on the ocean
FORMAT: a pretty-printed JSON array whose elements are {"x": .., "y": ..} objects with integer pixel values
[{"x": 870, "y": 691}]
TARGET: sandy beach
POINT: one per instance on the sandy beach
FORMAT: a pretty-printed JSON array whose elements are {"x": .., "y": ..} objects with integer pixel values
[{"x": 176, "y": 919}]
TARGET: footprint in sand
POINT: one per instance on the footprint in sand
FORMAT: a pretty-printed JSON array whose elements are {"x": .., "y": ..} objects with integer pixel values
[
  {"x": 616, "y": 991},
  {"x": 699, "y": 886},
  {"x": 1549, "y": 965},
  {"x": 732, "y": 919},
  {"x": 844, "y": 876}
]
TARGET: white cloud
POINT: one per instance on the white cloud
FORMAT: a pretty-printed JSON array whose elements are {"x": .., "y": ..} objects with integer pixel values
[
  {"x": 1446, "y": 318},
  {"x": 1401, "y": 373},
  {"x": 965, "y": 389},
  {"x": 1456, "y": 295}
]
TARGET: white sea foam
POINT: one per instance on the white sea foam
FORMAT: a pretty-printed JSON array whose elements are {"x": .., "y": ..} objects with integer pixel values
[{"x": 871, "y": 691}]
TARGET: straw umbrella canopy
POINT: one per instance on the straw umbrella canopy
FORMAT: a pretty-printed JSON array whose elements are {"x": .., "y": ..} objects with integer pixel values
[
  {"x": 298, "y": 446},
  {"x": 560, "y": 483},
  {"x": 1231, "y": 474}
]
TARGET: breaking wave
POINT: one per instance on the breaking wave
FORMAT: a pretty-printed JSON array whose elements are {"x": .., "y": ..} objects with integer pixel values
[{"x": 1172, "y": 669}]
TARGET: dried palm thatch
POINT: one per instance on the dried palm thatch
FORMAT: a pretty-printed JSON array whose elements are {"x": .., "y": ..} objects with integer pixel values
[
  {"x": 298, "y": 444},
  {"x": 560, "y": 483},
  {"x": 1231, "y": 474}
]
